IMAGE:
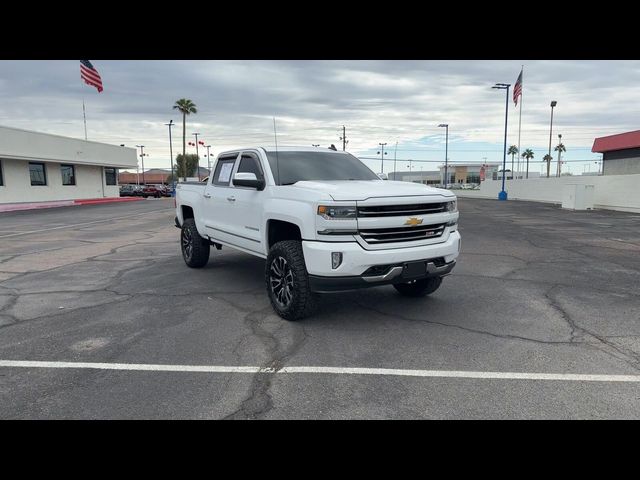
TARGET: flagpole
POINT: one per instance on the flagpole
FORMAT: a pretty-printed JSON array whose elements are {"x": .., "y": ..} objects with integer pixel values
[
  {"x": 520, "y": 120},
  {"x": 84, "y": 114}
]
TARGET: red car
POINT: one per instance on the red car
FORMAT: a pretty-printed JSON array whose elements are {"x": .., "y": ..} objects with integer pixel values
[{"x": 156, "y": 191}]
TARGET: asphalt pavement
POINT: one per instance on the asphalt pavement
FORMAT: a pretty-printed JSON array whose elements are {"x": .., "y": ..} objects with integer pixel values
[{"x": 101, "y": 296}]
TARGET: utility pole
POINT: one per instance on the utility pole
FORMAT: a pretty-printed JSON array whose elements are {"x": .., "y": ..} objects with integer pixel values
[
  {"x": 197, "y": 154},
  {"x": 553, "y": 104},
  {"x": 208, "y": 158},
  {"x": 446, "y": 154},
  {"x": 344, "y": 138},
  {"x": 382, "y": 154},
  {"x": 559, "y": 154},
  {"x": 142, "y": 155},
  {"x": 395, "y": 153},
  {"x": 173, "y": 180}
]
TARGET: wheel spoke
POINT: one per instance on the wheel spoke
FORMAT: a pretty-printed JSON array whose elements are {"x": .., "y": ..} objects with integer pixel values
[
  {"x": 281, "y": 281},
  {"x": 275, "y": 269}
]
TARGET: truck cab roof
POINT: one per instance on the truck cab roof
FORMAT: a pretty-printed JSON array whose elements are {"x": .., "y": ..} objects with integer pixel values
[{"x": 272, "y": 148}]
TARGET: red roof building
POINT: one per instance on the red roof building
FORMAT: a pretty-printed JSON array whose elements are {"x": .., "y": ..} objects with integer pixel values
[{"x": 620, "y": 153}]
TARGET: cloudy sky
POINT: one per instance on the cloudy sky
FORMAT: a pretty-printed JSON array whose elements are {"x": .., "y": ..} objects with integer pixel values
[{"x": 378, "y": 101}]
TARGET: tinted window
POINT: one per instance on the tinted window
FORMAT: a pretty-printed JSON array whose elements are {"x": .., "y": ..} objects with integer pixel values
[
  {"x": 37, "y": 173},
  {"x": 110, "y": 175},
  {"x": 249, "y": 164},
  {"x": 224, "y": 167},
  {"x": 68, "y": 174},
  {"x": 297, "y": 166}
]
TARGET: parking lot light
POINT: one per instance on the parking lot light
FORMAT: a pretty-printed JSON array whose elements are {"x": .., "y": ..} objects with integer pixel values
[{"x": 504, "y": 86}]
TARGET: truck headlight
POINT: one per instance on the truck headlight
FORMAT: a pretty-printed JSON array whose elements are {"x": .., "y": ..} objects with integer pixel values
[
  {"x": 337, "y": 212},
  {"x": 452, "y": 206}
]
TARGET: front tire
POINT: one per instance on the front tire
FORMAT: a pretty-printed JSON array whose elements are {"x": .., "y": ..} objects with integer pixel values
[
  {"x": 195, "y": 249},
  {"x": 287, "y": 281},
  {"x": 418, "y": 288}
]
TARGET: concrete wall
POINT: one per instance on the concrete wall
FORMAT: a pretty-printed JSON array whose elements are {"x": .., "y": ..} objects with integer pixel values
[
  {"x": 613, "y": 192},
  {"x": 17, "y": 183},
  {"x": 26, "y": 145}
]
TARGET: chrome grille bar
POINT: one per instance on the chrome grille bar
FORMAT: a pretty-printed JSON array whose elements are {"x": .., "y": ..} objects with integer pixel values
[
  {"x": 400, "y": 210},
  {"x": 402, "y": 234}
]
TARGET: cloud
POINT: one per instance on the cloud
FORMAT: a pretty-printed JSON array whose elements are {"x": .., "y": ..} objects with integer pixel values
[{"x": 378, "y": 101}]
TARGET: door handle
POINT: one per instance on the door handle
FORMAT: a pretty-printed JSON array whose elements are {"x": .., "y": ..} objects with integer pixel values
[
  {"x": 231, "y": 199},
  {"x": 207, "y": 195}
]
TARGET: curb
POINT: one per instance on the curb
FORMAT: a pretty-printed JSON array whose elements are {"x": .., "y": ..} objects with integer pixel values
[{"x": 15, "y": 207}]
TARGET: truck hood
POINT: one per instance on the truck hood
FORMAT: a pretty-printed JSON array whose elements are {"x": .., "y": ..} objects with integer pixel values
[{"x": 360, "y": 190}]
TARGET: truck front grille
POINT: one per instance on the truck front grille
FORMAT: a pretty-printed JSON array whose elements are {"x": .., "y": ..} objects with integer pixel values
[
  {"x": 402, "y": 210},
  {"x": 402, "y": 234}
]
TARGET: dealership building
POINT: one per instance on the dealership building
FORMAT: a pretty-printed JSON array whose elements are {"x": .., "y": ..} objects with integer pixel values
[
  {"x": 620, "y": 153},
  {"x": 40, "y": 167}
]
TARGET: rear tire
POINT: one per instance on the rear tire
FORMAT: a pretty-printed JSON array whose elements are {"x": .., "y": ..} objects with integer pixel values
[
  {"x": 195, "y": 249},
  {"x": 287, "y": 281},
  {"x": 418, "y": 288}
]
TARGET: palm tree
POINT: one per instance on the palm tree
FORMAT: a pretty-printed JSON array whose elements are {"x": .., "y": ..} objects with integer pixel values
[
  {"x": 547, "y": 158},
  {"x": 559, "y": 148},
  {"x": 528, "y": 154},
  {"x": 186, "y": 107},
  {"x": 513, "y": 150}
]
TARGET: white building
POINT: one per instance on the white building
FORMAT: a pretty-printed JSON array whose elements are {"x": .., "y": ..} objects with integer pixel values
[
  {"x": 472, "y": 173},
  {"x": 40, "y": 167},
  {"x": 416, "y": 176}
]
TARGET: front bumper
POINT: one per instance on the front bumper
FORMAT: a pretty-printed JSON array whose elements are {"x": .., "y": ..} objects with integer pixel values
[
  {"x": 396, "y": 274},
  {"x": 356, "y": 260}
]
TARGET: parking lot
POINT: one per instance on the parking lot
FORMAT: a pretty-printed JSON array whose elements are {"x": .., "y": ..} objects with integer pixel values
[{"x": 540, "y": 319}]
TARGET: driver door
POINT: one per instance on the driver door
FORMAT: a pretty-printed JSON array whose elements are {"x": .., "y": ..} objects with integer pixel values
[
  {"x": 217, "y": 206},
  {"x": 248, "y": 205}
]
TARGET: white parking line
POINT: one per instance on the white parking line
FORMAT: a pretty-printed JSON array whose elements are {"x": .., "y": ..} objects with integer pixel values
[
  {"x": 81, "y": 224},
  {"x": 566, "y": 377}
]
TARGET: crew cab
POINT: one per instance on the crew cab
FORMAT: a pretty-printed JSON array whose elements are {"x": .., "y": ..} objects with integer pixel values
[{"x": 323, "y": 221}]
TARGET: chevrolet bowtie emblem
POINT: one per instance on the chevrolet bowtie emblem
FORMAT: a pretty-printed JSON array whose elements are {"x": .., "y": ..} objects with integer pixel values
[{"x": 413, "y": 221}]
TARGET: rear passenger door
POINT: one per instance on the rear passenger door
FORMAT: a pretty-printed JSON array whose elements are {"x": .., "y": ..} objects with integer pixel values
[{"x": 217, "y": 203}]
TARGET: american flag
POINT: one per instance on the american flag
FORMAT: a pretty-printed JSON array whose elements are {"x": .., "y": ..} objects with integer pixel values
[
  {"x": 90, "y": 75},
  {"x": 517, "y": 89}
]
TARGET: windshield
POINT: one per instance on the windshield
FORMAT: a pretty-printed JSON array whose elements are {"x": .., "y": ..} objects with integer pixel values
[{"x": 315, "y": 166}]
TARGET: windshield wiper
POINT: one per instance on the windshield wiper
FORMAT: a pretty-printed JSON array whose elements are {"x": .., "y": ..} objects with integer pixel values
[{"x": 290, "y": 183}]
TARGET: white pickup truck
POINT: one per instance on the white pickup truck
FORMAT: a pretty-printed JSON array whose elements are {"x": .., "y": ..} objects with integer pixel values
[{"x": 323, "y": 221}]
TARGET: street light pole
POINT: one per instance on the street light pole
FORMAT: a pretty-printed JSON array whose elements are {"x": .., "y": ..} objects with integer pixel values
[
  {"x": 173, "y": 180},
  {"x": 382, "y": 154},
  {"x": 446, "y": 154},
  {"x": 553, "y": 104},
  {"x": 504, "y": 86}
]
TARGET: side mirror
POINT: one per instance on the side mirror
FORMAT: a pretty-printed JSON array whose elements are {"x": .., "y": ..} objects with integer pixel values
[
  {"x": 383, "y": 176},
  {"x": 248, "y": 180}
]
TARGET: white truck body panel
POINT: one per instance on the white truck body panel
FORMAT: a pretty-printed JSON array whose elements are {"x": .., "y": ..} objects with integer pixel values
[{"x": 239, "y": 217}]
